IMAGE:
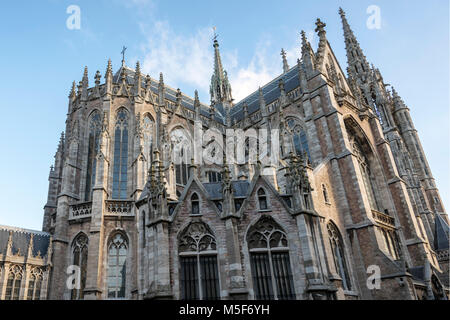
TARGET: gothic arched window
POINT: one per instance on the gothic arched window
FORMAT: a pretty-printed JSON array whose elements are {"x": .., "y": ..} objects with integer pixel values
[
  {"x": 181, "y": 146},
  {"x": 80, "y": 256},
  {"x": 148, "y": 131},
  {"x": 262, "y": 199},
  {"x": 117, "y": 257},
  {"x": 120, "y": 172},
  {"x": 299, "y": 139},
  {"x": 199, "y": 274},
  {"x": 14, "y": 283},
  {"x": 270, "y": 263},
  {"x": 195, "y": 204},
  {"x": 390, "y": 242},
  {"x": 337, "y": 249},
  {"x": 368, "y": 179},
  {"x": 35, "y": 284},
  {"x": 93, "y": 148}
]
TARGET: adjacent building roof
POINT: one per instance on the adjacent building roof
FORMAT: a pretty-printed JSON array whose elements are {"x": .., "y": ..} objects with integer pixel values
[{"x": 21, "y": 240}]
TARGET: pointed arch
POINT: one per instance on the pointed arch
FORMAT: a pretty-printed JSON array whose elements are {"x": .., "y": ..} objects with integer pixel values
[
  {"x": 149, "y": 131},
  {"x": 117, "y": 265},
  {"x": 182, "y": 153},
  {"x": 365, "y": 155},
  {"x": 79, "y": 258},
  {"x": 199, "y": 273},
  {"x": 195, "y": 204},
  {"x": 35, "y": 284},
  {"x": 270, "y": 261},
  {"x": 14, "y": 282},
  {"x": 94, "y": 130},
  {"x": 337, "y": 248},
  {"x": 299, "y": 138},
  {"x": 263, "y": 203},
  {"x": 120, "y": 163}
]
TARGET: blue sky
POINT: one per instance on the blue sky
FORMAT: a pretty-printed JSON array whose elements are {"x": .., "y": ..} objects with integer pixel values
[{"x": 40, "y": 57}]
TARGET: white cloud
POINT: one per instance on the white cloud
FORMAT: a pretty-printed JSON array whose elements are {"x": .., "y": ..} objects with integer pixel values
[{"x": 187, "y": 60}]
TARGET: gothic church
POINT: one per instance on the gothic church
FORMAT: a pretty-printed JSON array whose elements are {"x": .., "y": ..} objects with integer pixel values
[{"x": 351, "y": 193}]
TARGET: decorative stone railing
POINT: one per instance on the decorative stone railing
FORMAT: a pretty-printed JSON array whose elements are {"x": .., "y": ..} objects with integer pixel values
[
  {"x": 383, "y": 218},
  {"x": 119, "y": 208},
  {"x": 80, "y": 211},
  {"x": 442, "y": 255}
]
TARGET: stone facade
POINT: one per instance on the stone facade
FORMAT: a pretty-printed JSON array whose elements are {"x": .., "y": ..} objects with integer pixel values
[{"x": 351, "y": 191}]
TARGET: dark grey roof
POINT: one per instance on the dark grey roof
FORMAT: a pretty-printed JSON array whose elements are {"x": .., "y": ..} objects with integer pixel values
[
  {"x": 441, "y": 233},
  {"x": 240, "y": 189},
  {"x": 21, "y": 239},
  {"x": 171, "y": 94},
  {"x": 271, "y": 92}
]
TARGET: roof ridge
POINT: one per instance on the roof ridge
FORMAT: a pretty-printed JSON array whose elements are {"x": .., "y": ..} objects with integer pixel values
[{"x": 23, "y": 230}]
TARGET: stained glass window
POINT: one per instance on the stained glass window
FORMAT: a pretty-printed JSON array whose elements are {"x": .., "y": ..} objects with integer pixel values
[
  {"x": 270, "y": 263},
  {"x": 199, "y": 274},
  {"x": 117, "y": 256},
  {"x": 93, "y": 148},
  {"x": 80, "y": 255},
  {"x": 339, "y": 255},
  {"x": 120, "y": 171}
]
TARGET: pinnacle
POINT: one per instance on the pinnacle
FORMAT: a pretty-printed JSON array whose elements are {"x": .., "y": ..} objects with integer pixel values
[{"x": 320, "y": 26}]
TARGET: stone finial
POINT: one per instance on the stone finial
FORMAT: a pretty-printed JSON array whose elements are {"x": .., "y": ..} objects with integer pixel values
[
  {"x": 245, "y": 107},
  {"x": 196, "y": 105},
  {"x": 98, "y": 76},
  {"x": 320, "y": 26},
  {"x": 148, "y": 82},
  {"x": 30, "y": 246},
  {"x": 178, "y": 97},
  {"x": 262, "y": 102},
  {"x": 161, "y": 79},
  {"x": 285, "y": 63},
  {"x": 85, "y": 77},
  {"x": 109, "y": 69}
]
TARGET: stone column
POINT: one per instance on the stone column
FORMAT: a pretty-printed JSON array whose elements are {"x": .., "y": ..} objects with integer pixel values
[{"x": 238, "y": 290}]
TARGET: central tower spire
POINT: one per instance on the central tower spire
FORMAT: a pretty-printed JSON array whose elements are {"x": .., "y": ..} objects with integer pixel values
[
  {"x": 220, "y": 89},
  {"x": 359, "y": 68}
]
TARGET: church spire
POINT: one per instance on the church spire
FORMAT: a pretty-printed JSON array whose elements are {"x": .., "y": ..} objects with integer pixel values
[
  {"x": 220, "y": 89},
  {"x": 357, "y": 62},
  {"x": 285, "y": 63}
]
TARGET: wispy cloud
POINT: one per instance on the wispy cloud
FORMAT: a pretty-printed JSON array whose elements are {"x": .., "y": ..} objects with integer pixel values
[{"x": 187, "y": 59}]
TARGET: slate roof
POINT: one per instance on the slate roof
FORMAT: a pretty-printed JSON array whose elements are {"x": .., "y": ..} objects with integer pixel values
[
  {"x": 270, "y": 91},
  {"x": 214, "y": 189},
  {"x": 170, "y": 94},
  {"x": 21, "y": 239}
]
